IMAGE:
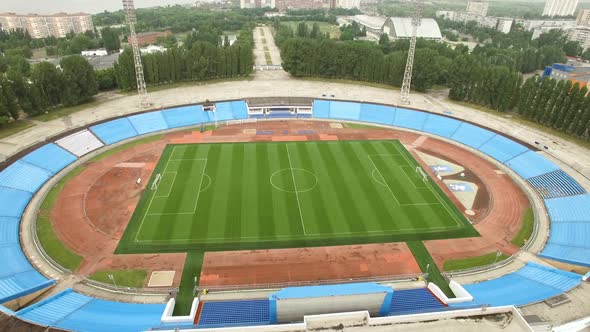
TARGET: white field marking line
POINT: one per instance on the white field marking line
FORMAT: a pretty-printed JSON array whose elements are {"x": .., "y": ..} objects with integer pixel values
[
  {"x": 272, "y": 238},
  {"x": 152, "y": 199},
  {"x": 403, "y": 167},
  {"x": 188, "y": 159},
  {"x": 387, "y": 185},
  {"x": 441, "y": 201},
  {"x": 172, "y": 185},
  {"x": 295, "y": 187}
]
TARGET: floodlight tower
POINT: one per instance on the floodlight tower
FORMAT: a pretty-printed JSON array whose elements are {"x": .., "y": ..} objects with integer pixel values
[
  {"x": 416, "y": 21},
  {"x": 129, "y": 8}
]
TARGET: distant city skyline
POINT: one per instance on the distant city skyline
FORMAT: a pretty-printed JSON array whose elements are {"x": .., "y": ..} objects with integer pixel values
[{"x": 71, "y": 6}]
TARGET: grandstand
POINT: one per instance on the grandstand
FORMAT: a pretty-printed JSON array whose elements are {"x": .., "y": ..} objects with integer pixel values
[{"x": 565, "y": 199}]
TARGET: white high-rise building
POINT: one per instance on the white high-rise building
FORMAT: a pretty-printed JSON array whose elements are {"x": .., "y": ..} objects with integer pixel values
[
  {"x": 43, "y": 26},
  {"x": 583, "y": 18},
  {"x": 477, "y": 7},
  {"x": 560, "y": 7}
]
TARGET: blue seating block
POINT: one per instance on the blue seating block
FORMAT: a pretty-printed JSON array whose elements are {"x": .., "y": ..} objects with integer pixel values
[
  {"x": 556, "y": 184},
  {"x": 223, "y": 111},
  {"x": 567, "y": 253},
  {"x": 14, "y": 202},
  {"x": 472, "y": 136},
  {"x": 377, "y": 114},
  {"x": 345, "y": 110},
  {"x": 24, "y": 176},
  {"x": 9, "y": 230},
  {"x": 502, "y": 149},
  {"x": 530, "y": 164},
  {"x": 114, "y": 131},
  {"x": 569, "y": 209},
  {"x": 321, "y": 109},
  {"x": 23, "y": 283},
  {"x": 441, "y": 125},
  {"x": 50, "y": 157},
  {"x": 54, "y": 309},
  {"x": 148, "y": 122},
  {"x": 239, "y": 109},
  {"x": 412, "y": 301},
  {"x": 184, "y": 116},
  {"x": 411, "y": 119},
  {"x": 230, "y": 313}
]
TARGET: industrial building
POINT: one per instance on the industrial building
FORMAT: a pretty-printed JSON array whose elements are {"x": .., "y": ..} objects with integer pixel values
[
  {"x": 401, "y": 27},
  {"x": 43, "y": 26}
]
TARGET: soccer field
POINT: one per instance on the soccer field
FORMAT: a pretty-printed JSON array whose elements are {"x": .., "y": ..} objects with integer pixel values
[{"x": 226, "y": 196}]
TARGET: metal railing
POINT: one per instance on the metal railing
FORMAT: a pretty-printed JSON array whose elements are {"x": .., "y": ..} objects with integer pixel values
[{"x": 130, "y": 290}]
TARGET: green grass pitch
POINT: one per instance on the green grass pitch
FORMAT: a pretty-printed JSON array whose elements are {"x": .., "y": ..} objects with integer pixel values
[{"x": 229, "y": 196}]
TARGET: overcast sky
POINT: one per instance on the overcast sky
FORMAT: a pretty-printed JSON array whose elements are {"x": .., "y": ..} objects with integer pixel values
[{"x": 70, "y": 6}]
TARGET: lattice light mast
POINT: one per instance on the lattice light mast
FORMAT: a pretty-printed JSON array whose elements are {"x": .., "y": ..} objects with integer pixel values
[
  {"x": 416, "y": 21},
  {"x": 129, "y": 8}
]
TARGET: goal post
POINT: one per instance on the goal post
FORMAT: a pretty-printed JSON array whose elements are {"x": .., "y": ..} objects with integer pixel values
[
  {"x": 156, "y": 181},
  {"x": 421, "y": 173}
]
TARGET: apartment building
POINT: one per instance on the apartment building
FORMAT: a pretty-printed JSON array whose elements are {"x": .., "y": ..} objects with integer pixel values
[{"x": 43, "y": 26}]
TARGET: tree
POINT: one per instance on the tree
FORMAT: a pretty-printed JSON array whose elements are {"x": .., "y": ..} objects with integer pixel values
[
  {"x": 106, "y": 79},
  {"x": 110, "y": 38},
  {"x": 315, "y": 31},
  {"x": 302, "y": 30},
  {"x": 125, "y": 71},
  {"x": 572, "y": 48},
  {"x": 8, "y": 102},
  {"x": 50, "y": 80},
  {"x": 80, "y": 43},
  {"x": 383, "y": 39},
  {"x": 80, "y": 80}
]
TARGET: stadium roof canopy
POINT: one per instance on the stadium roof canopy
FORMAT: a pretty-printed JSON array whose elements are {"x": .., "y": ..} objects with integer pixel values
[{"x": 401, "y": 27}]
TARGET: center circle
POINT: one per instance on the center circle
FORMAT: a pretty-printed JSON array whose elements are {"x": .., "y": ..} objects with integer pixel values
[{"x": 293, "y": 180}]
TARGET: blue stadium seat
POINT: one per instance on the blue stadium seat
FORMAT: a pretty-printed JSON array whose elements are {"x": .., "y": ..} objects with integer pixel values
[
  {"x": 345, "y": 110},
  {"x": 16, "y": 202},
  {"x": 377, "y": 114},
  {"x": 24, "y": 176},
  {"x": 411, "y": 119},
  {"x": 114, "y": 131},
  {"x": 148, "y": 122},
  {"x": 530, "y": 284},
  {"x": 223, "y": 111},
  {"x": 50, "y": 157},
  {"x": 9, "y": 230},
  {"x": 531, "y": 164},
  {"x": 441, "y": 125},
  {"x": 19, "y": 284},
  {"x": 184, "y": 116},
  {"x": 502, "y": 149},
  {"x": 413, "y": 301},
  {"x": 239, "y": 109},
  {"x": 73, "y": 311},
  {"x": 321, "y": 109},
  {"x": 472, "y": 136},
  {"x": 578, "y": 255},
  {"x": 569, "y": 209},
  {"x": 231, "y": 313},
  {"x": 556, "y": 184}
]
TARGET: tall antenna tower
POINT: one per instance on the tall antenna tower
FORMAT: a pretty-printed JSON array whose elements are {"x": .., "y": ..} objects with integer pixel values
[
  {"x": 416, "y": 21},
  {"x": 129, "y": 8}
]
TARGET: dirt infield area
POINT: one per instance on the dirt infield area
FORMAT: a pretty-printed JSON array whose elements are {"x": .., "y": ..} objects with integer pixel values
[{"x": 95, "y": 207}]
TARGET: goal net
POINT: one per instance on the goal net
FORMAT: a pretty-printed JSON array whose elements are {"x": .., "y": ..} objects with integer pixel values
[
  {"x": 421, "y": 173},
  {"x": 156, "y": 181}
]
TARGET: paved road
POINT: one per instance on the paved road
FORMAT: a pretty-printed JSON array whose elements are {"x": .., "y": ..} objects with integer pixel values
[{"x": 263, "y": 38}]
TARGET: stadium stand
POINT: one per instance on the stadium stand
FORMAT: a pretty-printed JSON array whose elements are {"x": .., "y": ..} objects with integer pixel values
[
  {"x": 321, "y": 109},
  {"x": 410, "y": 119},
  {"x": 24, "y": 176},
  {"x": 530, "y": 284},
  {"x": 569, "y": 209},
  {"x": 231, "y": 110},
  {"x": 50, "y": 157},
  {"x": 556, "y": 184},
  {"x": 8, "y": 230},
  {"x": 114, "y": 131},
  {"x": 472, "y": 136},
  {"x": 412, "y": 301},
  {"x": 17, "y": 276},
  {"x": 16, "y": 202},
  {"x": 345, "y": 110},
  {"x": 73, "y": 311},
  {"x": 232, "y": 313},
  {"x": 80, "y": 143},
  {"x": 377, "y": 114},
  {"x": 531, "y": 164},
  {"x": 148, "y": 122},
  {"x": 441, "y": 125},
  {"x": 502, "y": 149},
  {"x": 184, "y": 116}
]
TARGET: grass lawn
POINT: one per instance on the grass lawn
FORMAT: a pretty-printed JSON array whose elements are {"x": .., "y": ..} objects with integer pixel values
[
  {"x": 334, "y": 30},
  {"x": 427, "y": 265},
  {"x": 49, "y": 240},
  {"x": 267, "y": 58},
  {"x": 12, "y": 128},
  {"x": 231, "y": 196},
  {"x": 358, "y": 126},
  {"x": 471, "y": 262},
  {"x": 526, "y": 229},
  {"x": 124, "y": 278},
  {"x": 192, "y": 269}
]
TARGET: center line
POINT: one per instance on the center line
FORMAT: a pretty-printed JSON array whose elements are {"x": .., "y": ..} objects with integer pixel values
[{"x": 295, "y": 187}]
